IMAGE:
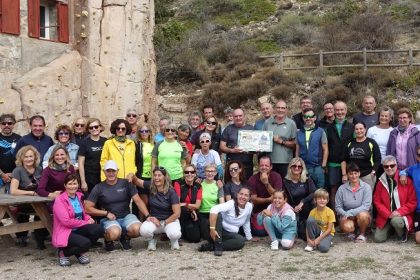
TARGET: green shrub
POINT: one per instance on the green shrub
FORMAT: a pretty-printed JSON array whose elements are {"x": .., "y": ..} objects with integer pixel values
[
  {"x": 245, "y": 70},
  {"x": 401, "y": 12},
  {"x": 409, "y": 81},
  {"x": 339, "y": 92},
  {"x": 282, "y": 92},
  {"x": 163, "y": 11}
]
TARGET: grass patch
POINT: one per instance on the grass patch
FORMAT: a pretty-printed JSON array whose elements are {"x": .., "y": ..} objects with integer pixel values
[
  {"x": 265, "y": 46},
  {"x": 353, "y": 264}
]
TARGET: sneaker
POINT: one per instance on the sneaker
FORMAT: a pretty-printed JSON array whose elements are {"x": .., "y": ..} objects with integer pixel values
[
  {"x": 174, "y": 245},
  {"x": 275, "y": 245},
  {"x": 403, "y": 238},
  {"x": 83, "y": 259},
  {"x": 207, "y": 246},
  {"x": 309, "y": 248},
  {"x": 152, "y": 245},
  {"x": 62, "y": 259},
  {"x": 218, "y": 249},
  {"x": 351, "y": 236},
  {"x": 109, "y": 246},
  {"x": 125, "y": 244}
]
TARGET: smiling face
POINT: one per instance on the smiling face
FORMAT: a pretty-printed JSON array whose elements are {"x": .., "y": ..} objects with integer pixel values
[
  {"x": 29, "y": 159},
  {"x": 305, "y": 103},
  {"x": 353, "y": 176},
  {"x": 195, "y": 121},
  {"x": 340, "y": 109},
  {"x": 390, "y": 167},
  {"x": 234, "y": 170},
  {"x": 37, "y": 127},
  {"x": 189, "y": 174},
  {"x": 210, "y": 124},
  {"x": 264, "y": 165},
  {"x": 60, "y": 157},
  {"x": 79, "y": 126},
  {"x": 404, "y": 120},
  {"x": 385, "y": 118},
  {"x": 309, "y": 118},
  {"x": 183, "y": 134},
  {"x": 144, "y": 133},
  {"x": 158, "y": 178},
  {"x": 279, "y": 200},
  {"x": 63, "y": 136},
  {"x": 210, "y": 173},
  {"x": 321, "y": 201},
  {"x": 266, "y": 110},
  {"x": 369, "y": 105},
  {"x": 281, "y": 109},
  {"x": 7, "y": 126},
  {"x": 94, "y": 128},
  {"x": 71, "y": 187},
  {"x": 243, "y": 197},
  {"x": 131, "y": 117},
  {"x": 111, "y": 175},
  {"x": 328, "y": 110},
  {"x": 360, "y": 131},
  {"x": 121, "y": 129},
  {"x": 238, "y": 118}
]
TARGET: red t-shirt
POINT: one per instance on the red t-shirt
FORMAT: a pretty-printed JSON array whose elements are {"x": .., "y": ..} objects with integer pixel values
[{"x": 177, "y": 188}]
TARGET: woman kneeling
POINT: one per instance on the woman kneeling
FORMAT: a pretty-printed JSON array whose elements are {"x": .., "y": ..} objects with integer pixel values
[
  {"x": 74, "y": 231},
  {"x": 279, "y": 221}
]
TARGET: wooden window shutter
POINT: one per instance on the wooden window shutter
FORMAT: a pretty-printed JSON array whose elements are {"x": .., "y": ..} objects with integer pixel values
[
  {"x": 33, "y": 18},
  {"x": 63, "y": 22},
  {"x": 10, "y": 16}
]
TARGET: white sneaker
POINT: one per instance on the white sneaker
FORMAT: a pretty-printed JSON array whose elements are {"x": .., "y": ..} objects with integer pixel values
[
  {"x": 174, "y": 245},
  {"x": 309, "y": 248},
  {"x": 152, "y": 245},
  {"x": 275, "y": 245}
]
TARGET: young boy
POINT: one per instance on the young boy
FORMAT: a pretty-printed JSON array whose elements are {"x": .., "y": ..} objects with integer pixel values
[{"x": 320, "y": 224}]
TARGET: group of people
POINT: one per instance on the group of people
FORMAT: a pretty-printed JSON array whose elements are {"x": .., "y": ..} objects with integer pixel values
[{"x": 193, "y": 181}]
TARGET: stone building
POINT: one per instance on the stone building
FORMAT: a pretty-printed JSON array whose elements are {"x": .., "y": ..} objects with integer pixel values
[{"x": 69, "y": 58}]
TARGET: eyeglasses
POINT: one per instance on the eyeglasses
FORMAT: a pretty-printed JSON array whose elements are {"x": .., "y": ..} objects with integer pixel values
[
  {"x": 186, "y": 172},
  {"x": 386, "y": 166},
  {"x": 211, "y": 123},
  {"x": 234, "y": 169},
  {"x": 131, "y": 115},
  {"x": 204, "y": 141},
  {"x": 160, "y": 168},
  {"x": 63, "y": 133},
  {"x": 169, "y": 130},
  {"x": 7, "y": 123},
  {"x": 144, "y": 131},
  {"x": 308, "y": 116},
  {"x": 93, "y": 127},
  {"x": 296, "y": 166},
  {"x": 121, "y": 128},
  {"x": 79, "y": 125}
]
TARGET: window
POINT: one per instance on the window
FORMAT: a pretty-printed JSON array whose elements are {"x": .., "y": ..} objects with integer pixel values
[
  {"x": 48, "y": 19},
  {"x": 10, "y": 16}
]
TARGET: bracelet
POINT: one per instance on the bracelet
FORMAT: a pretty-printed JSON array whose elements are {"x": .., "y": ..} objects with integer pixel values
[
  {"x": 106, "y": 215},
  {"x": 212, "y": 227},
  {"x": 147, "y": 216},
  {"x": 343, "y": 175}
]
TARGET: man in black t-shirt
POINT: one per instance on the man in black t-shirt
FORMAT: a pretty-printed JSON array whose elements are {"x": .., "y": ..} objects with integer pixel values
[
  {"x": 111, "y": 199},
  {"x": 8, "y": 141}
]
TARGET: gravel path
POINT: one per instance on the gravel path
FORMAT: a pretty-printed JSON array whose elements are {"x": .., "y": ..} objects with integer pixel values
[{"x": 345, "y": 260}]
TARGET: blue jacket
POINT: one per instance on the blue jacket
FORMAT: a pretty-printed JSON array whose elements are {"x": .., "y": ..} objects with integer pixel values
[
  {"x": 414, "y": 173},
  {"x": 41, "y": 144},
  {"x": 312, "y": 156}
]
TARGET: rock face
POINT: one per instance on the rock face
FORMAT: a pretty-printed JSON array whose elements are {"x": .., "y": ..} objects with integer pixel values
[{"x": 108, "y": 67}]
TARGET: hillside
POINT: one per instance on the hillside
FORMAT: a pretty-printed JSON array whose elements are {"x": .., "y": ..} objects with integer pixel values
[{"x": 210, "y": 51}]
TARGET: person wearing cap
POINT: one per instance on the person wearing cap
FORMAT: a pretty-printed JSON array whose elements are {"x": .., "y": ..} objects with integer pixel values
[
  {"x": 114, "y": 196},
  {"x": 205, "y": 156}
]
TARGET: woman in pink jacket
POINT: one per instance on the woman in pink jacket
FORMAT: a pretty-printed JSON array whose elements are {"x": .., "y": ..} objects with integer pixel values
[{"x": 73, "y": 230}]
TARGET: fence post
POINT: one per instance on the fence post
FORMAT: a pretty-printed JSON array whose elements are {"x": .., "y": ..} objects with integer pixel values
[
  {"x": 410, "y": 57},
  {"x": 321, "y": 60},
  {"x": 281, "y": 61},
  {"x": 364, "y": 59}
]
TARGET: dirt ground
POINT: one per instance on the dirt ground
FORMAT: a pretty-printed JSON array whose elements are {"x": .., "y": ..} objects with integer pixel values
[{"x": 346, "y": 260}]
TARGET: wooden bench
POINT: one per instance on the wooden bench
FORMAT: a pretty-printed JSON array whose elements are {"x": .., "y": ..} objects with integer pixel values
[{"x": 39, "y": 204}]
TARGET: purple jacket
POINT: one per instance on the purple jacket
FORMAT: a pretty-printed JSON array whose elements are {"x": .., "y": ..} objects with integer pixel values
[{"x": 412, "y": 144}]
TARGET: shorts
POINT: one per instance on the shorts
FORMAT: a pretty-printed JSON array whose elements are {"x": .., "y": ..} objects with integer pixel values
[
  {"x": 334, "y": 176},
  {"x": 122, "y": 223},
  {"x": 416, "y": 221}
]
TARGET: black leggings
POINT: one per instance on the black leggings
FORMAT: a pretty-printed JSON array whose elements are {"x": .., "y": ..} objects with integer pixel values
[
  {"x": 82, "y": 239},
  {"x": 190, "y": 229}
]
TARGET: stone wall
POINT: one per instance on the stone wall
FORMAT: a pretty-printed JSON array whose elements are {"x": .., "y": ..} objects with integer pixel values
[{"x": 108, "y": 67}]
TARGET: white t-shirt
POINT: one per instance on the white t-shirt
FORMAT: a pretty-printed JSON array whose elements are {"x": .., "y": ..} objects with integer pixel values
[{"x": 381, "y": 136}]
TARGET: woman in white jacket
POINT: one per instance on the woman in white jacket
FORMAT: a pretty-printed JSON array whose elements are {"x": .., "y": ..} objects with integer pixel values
[{"x": 225, "y": 221}]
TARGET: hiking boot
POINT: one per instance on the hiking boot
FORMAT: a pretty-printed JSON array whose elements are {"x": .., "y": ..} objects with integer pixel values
[
  {"x": 218, "y": 249},
  {"x": 109, "y": 246},
  {"x": 125, "y": 244},
  {"x": 207, "y": 246},
  {"x": 174, "y": 245},
  {"x": 275, "y": 245},
  {"x": 152, "y": 245},
  {"x": 83, "y": 259},
  {"x": 62, "y": 259}
]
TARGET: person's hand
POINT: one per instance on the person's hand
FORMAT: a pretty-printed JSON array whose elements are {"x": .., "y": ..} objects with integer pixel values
[
  {"x": 264, "y": 178},
  {"x": 237, "y": 150},
  {"x": 214, "y": 234},
  {"x": 317, "y": 241},
  {"x": 182, "y": 143},
  {"x": 344, "y": 178},
  {"x": 403, "y": 179},
  {"x": 395, "y": 213},
  {"x": 267, "y": 213},
  {"x": 91, "y": 221},
  {"x": 130, "y": 177},
  {"x": 110, "y": 216},
  {"x": 154, "y": 220},
  {"x": 310, "y": 242},
  {"x": 299, "y": 207},
  {"x": 194, "y": 216},
  {"x": 277, "y": 139},
  {"x": 6, "y": 177},
  {"x": 254, "y": 239},
  {"x": 53, "y": 195},
  {"x": 198, "y": 180},
  {"x": 219, "y": 184},
  {"x": 84, "y": 186}
]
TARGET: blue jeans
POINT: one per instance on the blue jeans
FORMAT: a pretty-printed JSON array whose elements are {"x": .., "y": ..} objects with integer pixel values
[
  {"x": 317, "y": 175},
  {"x": 122, "y": 223},
  {"x": 274, "y": 233}
]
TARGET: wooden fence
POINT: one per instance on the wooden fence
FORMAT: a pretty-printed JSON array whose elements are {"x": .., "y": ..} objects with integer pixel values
[{"x": 409, "y": 55}]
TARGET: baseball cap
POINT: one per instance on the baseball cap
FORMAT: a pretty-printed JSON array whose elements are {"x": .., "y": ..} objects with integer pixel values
[{"x": 110, "y": 164}]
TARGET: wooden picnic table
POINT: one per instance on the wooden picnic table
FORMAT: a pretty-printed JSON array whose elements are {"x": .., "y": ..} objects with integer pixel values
[{"x": 38, "y": 203}]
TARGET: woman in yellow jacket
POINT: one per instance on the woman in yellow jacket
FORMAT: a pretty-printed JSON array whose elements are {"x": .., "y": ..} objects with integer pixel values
[{"x": 119, "y": 148}]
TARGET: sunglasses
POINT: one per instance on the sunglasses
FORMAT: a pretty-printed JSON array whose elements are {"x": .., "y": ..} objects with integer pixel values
[
  {"x": 7, "y": 123},
  {"x": 296, "y": 166},
  {"x": 386, "y": 166},
  {"x": 169, "y": 130},
  {"x": 131, "y": 115},
  {"x": 234, "y": 169},
  {"x": 204, "y": 141},
  {"x": 79, "y": 125},
  {"x": 93, "y": 127},
  {"x": 63, "y": 133},
  {"x": 144, "y": 131},
  {"x": 121, "y": 128},
  {"x": 308, "y": 116},
  {"x": 186, "y": 172},
  {"x": 212, "y": 123}
]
